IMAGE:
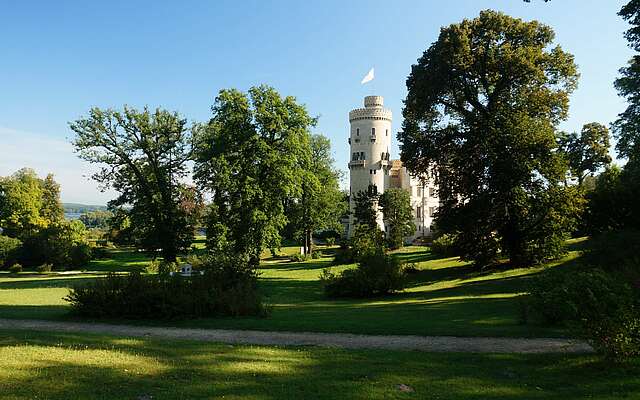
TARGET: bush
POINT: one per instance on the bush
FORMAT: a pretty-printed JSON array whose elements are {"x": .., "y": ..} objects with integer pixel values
[
  {"x": 100, "y": 253},
  {"x": 44, "y": 268},
  {"x": 330, "y": 241},
  {"x": 376, "y": 274},
  {"x": 343, "y": 257},
  {"x": 9, "y": 250},
  {"x": 603, "y": 306},
  {"x": 227, "y": 288},
  {"x": 316, "y": 254},
  {"x": 445, "y": 245},
  {"x": 15, "y": 268},
  {"x": 297, "y": 257}
]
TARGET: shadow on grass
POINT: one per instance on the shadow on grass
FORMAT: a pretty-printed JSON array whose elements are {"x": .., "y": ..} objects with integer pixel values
[{"x": 108, "y": 368}]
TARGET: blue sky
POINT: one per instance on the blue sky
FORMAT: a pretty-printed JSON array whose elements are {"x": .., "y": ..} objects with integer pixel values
[{"x": 58, "y": 59}]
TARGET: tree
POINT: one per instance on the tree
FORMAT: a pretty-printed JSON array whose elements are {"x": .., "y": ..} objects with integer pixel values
[
  {"x": 21, "y": 204},
  {"x": 365, "y": 207},
  {"x": 321, "y": 204},
  {"x": 143, "y": 155},
  {"x": 398, "y": 214},
  {"x": 248, "y": 159},
  {"x": 52, "y": 209},
  {"x": 586, "y": 152},
  {"x": 96, "y": 219},
  {"x": 481, "y": 113},
  {"x": 627, "y": 126}
]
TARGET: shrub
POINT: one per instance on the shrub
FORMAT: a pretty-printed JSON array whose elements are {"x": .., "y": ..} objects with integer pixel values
[
  {"x": 376, "y": 274},
  {"x": 330, "y": 241},
  {"x": 15, "y": 268},
  {"x": 297, "y": 257},
  {"x": 227, "y": 288},
  {"x": 343, "y": 257},
  {"x": 367, "y": 241},
  {"x": 316, "y": 254},
  {"x": 445, "y": 245},
  {"x": 9, "y": 250},
  {"x": 44, "y": 268},
  {"x": 100, "y": 253},
  {"x": 603, "y": 306}
]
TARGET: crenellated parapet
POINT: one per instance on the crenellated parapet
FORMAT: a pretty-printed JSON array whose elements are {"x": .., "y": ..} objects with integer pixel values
[{"x": 373, "y": 110}]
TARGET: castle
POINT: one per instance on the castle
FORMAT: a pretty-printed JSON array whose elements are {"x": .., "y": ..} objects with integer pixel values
[{"x": 371, "y": 168}]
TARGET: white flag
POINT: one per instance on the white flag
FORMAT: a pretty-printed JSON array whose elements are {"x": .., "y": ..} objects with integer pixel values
[{"x": 368, "y": 77}]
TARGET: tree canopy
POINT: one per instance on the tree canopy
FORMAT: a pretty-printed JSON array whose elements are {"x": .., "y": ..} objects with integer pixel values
[
  {"x": 143, "y": 155},
  {"x": 248, "y": 158},
  {"x": 482, "y": 109},
  {"x": 395, "y": 205},
  {"x": 588, "y": 151}
]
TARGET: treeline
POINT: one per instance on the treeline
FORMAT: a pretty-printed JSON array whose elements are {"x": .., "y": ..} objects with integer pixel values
[{"x": 34, "y": 231}]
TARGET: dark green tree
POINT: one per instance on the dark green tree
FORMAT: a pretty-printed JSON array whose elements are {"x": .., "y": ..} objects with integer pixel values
[
  {"x": 248, "y": 159},
  {"x": 143, "y": 155},
  {"x": 482, "y": 110},
  {"x": 398, "y": 215},
  {"x": 321, "y": 203},
  {"x": 52, "y": 209},
  {"x": 586, "y": 152},
  {"x": 627, "y": 127},
  {"x": 365, "y": 207}
]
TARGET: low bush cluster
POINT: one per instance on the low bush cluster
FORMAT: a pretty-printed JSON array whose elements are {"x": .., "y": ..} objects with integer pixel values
[
  {"x": 298, "y": 257},
  {"x": 604, "y": 307},
  {"x": 228, "y": 287},
  {"x": 15, "y": 268},
  {"x": 376, "y": 274},
  {"x": 9, "y": 250},
  {"x": 445, "y": 245}
]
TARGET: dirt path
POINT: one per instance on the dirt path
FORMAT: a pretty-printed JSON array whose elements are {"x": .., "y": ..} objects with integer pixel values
[{"x": 340, "y": 340}]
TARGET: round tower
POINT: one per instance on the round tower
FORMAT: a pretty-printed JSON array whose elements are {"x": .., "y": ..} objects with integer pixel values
[{"x": 370, "y": 139}]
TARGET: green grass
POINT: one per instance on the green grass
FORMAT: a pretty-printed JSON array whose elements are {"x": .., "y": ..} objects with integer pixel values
[
  {"x": 445, "y": 297},
  {"x": 65, "y": 366}
]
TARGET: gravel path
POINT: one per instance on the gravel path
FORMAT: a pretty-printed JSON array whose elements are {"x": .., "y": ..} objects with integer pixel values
[{"x": 340, "y": 340}]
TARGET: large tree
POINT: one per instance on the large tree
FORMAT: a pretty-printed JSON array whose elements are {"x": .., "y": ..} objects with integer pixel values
[
  {"x": 143, "y": 155},
  {"x": 482, "y": 109},
  {"x": 321, "y": 203},
  {"x": 248, "y": 159},
  {"x": 395, "y": 205},
  {"x": 627, "y": 126},
  {"x": 587, "y": 151}
]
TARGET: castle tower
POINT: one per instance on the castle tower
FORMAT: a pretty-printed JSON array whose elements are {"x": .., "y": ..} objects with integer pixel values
[{"x": 370, "y": 139}]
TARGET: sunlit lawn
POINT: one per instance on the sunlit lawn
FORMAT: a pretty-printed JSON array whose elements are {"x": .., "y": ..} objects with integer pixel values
[
  {"x": 65, "y": 366},
  {"x": 445, "y": 297}
]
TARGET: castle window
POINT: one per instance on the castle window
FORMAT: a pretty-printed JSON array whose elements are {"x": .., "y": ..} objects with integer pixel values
[
  {"x": 432, "y": 192},
  {"x": 432, "y": 211},
  {"x": 386, "y": 132},
  {"x": 373, "y": 131},
  {"x": 358, "y": 131},
  {"x": 374, "y": 171},
  {"x": 418, "y": 212}
]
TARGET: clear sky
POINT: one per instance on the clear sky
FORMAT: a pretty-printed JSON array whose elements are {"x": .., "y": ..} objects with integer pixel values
[{"x": 59, "y": 58}]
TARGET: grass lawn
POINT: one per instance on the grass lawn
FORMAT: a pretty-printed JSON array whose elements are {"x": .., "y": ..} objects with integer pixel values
[
  {"x": 66, "y": 366},
  {"x": 445, "y": 297}
]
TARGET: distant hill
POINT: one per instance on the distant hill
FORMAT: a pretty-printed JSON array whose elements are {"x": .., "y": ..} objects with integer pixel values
[{"x": 76, "y": 208}]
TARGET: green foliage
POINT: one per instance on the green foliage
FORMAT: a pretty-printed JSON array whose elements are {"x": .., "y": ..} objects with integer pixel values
[
  {"x": 483, "y": 106},
  {"x": 15, "y": 268},
  {"x": 44, "y": 268},
  {"x": 587, "y": 152},
  {"x": 249, "y": 158},
  {"x": 62, "y": 244},
  {"x": 445, "y": 245},
  {"x": 365, "y": 207},
  {"x": 375, "y": 275},
  {"x": 398, "y": 216},
  {"x": 330, "y": 241},
  {"x": 143, "y": 156},
  {"x": 9, "y": 250},
  {"x": 627, "y": 127},
  {"x": 96, "y": 219},
  {"x": 227, "y": 288},
  {"x": 603, "y": 306},
  {"x": 367, "y": 241},
  {"x": 297, "y": 257},
  {"x": 22, "y": 203},
  {"x": 321, "y": 203}
]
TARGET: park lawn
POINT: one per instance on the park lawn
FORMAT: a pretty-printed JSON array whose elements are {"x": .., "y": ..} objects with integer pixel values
[
  {"x": 70, "y": 366},
  {"x": 445, "y": 297}
]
